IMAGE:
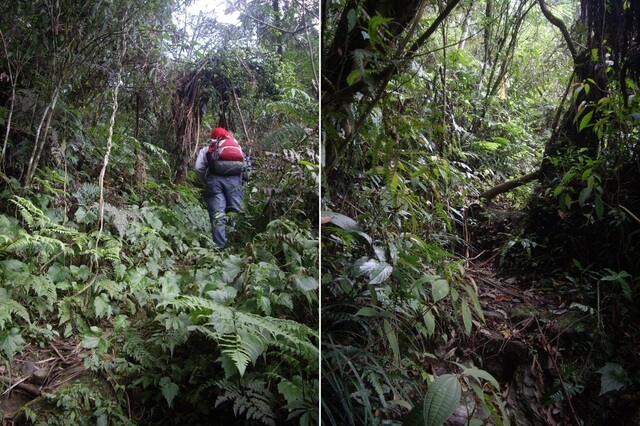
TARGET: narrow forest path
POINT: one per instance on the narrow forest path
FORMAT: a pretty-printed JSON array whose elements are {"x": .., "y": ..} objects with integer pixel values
[
  {"x": 39, "y": 370},
  {"x": 526, "y": 328},
  {"x": 542, "y": 341}
]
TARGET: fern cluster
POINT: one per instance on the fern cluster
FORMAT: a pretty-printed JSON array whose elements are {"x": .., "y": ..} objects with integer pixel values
[{"x": 181, "y": 323}]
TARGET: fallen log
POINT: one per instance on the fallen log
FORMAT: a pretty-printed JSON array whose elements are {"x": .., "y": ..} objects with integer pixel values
[{"x": 507, "y": 186}]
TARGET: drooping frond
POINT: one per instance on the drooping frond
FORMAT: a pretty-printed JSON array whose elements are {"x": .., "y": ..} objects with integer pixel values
[
  {"x": 33, "y": 217},
  {"x": 290, "y": 134},
  {"x": 9, "y": 307},
  {"x": 119, "y": 218},
  {"x": 251, "y": 399},
  {"x": 245, "y": 336}
]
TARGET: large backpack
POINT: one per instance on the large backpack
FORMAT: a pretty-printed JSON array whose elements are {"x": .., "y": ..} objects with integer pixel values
[{"x": 225, "y": 157}]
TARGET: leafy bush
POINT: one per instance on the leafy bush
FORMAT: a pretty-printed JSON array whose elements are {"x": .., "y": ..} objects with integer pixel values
[{"x": 156, "y": 310}]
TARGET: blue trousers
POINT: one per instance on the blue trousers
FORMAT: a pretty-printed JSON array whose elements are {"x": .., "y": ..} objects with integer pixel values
[{"x": 223, "y": 194}]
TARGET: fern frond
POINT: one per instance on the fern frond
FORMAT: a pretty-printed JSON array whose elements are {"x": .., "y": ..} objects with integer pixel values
[
  {"x": 233, "y": 347},
  {"x": 136, "y": 347},
  {"x": 45, "y": 246},
  {"x": 109, "y": 249},
  {"x": 251, "y": 399},
  {"x": 21, "y": 243},
  {"x": 289, "y": 135},
  {"x": 119, "y": 218},
  {"x": 244, "y": 336},
  {"x": 112, "y": 288},
  {"x": 42, "y": 286},
  {"x": 157, "y": 152},
  {"x": 32, "y": 215},
  {"x": 87, "y": 193},
  {"x": 9, "y": 307}
]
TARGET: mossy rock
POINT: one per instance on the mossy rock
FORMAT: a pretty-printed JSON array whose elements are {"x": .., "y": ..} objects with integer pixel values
[
  {"x": 523, "y": 312},
  {"x": 572, "y": 323}
]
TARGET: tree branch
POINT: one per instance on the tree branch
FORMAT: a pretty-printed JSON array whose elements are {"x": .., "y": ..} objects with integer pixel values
[
  {"x": 386, "y": 74},
  {"x": 509, "y": 185},
  {"x": 432, "y": 29},
  {"x": 563, "y": 29}
]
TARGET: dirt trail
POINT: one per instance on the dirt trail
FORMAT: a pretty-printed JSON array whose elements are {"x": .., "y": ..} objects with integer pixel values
[{"x": 531, "y": 332}]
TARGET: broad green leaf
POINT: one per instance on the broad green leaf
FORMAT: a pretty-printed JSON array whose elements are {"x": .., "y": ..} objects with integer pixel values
[
  {"x": 169, "y": 390},
  {"x": 364, "y": 266},
  {"x": 221, "y": 295},
  {"x": 231, "y": 268},
  {"x": 83, "y": 272},
  {"x": 477, "y": 374},
  {"x": 102, "y": 306},
  {"x": 306, "y": 283},
  {"x": 340, "y": 220},
  {"x": 393, "y": 340},
  {"x": 380, "y": 273},
  {"x": 565, "y": 201},
  {"x": 466, "y": 316},
  {"x": 11, "y": 342},
  {"x": 90, "y": 341},
  {"x": 354, "y": 76},
  {"x": 439, "y": 289},
  {"x": 153, "y": 267},
  {"x": 290, "y": 391},
  {"x": 85, "y": 216},
  {"x": 585, "y": 120},
  {"x": 368, "y": 311},
  {"x": 121, "y": 322},
  {"x": 430, "y": 323},
  {"x": 394, "y": 181},
  {"x": 351, "y": 19},
  {"x": 599, "y": 206},
  {"x": 169, "y": 285},
  {"x": 58, "y": 273},
  {"x": 474, "y": 301},
  {"x": 566, "y": 178},
  {"x": 443, "y": 396},
  {"x": 380, "y": 255},
  {"x": 584, "y": 196},
  {"x": 626, "y": 290},
  {"x": 558, "y": 190},
  {"x": 613, "y": 377},
  {"x": 13, "y": 265},
  {"x": 309, "y": 165},
  {"x": 393, "y": 253}
]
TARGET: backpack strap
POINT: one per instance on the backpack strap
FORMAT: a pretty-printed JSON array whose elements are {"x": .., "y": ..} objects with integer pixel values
[{"x": 213, "y": 146}]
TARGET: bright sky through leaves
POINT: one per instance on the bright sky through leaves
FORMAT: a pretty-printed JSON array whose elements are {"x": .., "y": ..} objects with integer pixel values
[{"x": 216, "y": 7}]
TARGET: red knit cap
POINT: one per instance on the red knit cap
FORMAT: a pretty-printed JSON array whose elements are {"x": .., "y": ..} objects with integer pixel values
[{"x": 219, "y": 132}]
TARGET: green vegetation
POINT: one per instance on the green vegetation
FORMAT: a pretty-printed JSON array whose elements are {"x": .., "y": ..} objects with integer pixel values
[
  {"x": 480, "y": 160},
  {"x": 106, "y": 258}
]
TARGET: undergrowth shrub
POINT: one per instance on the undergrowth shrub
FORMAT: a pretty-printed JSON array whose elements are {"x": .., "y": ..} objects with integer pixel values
[
  {"x": 392, "y": 301},
  {"x": 189, "y": 331}
]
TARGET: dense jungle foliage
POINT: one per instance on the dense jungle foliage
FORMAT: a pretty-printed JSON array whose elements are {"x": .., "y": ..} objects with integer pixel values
[
  {"x": 109, "y": 279},
  {"x": 481, "y": 225}
]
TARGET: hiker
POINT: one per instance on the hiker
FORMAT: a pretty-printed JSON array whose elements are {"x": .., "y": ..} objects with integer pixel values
[{"x": 221, "y": 168}]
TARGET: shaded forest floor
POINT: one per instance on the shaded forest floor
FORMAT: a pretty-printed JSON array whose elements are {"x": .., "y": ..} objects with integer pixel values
[
  {"x": 542, "y": 338},
  {"x": 39, "y": 370}
]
